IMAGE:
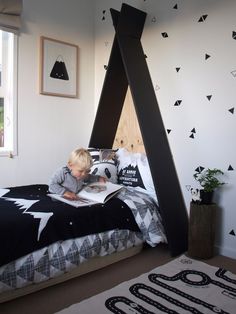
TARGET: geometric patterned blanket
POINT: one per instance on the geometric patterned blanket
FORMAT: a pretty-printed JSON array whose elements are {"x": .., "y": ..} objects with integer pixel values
[
  {"x": 181, "y": 286},
  {"x": 146, "y": 213},
  {"x": 63, "y": 256}
]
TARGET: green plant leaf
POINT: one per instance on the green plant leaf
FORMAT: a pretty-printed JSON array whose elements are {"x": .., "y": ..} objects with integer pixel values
[{"x": 208, "y": 179}]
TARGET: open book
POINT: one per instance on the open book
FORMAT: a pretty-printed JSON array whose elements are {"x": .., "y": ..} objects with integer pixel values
[{"x": 93, "y": 193}]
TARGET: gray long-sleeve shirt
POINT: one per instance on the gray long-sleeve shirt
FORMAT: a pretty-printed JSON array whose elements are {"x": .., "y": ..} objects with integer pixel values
[{"x": 62, "y": 181}]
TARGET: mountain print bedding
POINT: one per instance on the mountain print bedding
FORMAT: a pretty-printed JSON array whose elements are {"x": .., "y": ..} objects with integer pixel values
[
  {"x": 53, "y": 234},
  {"x": 31, "y": 220}
]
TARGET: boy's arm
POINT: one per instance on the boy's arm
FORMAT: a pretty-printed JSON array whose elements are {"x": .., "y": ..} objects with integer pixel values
[
  {"x": 70, "y": 196},
  {"x": 55, "y": 183}
]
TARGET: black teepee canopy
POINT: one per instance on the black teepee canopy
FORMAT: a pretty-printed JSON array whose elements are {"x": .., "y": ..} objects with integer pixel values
[{"x": 127, "y": 67}]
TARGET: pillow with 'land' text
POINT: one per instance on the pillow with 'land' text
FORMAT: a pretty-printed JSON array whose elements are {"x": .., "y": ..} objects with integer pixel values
[
  {"x": 134, "y": 171},
  {"x": 104, "y": 163}
]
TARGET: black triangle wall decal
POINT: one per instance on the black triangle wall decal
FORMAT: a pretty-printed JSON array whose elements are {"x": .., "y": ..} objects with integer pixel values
[{"x": 232, "y": 232}]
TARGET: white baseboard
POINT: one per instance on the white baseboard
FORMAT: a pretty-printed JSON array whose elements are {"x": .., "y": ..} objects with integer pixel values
[{"x": 225, "y": 251}]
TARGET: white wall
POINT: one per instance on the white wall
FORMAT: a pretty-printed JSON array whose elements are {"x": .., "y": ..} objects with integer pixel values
[
  {"x": 50, "y": 127},
  {"x": 186, "y": 47}
]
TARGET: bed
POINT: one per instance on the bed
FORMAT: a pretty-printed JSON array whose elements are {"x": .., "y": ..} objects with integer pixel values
[{"x": 44, "y": 242}]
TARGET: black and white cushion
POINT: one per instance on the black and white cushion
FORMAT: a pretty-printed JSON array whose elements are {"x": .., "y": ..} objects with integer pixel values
[{"x": 104, "y": 163}]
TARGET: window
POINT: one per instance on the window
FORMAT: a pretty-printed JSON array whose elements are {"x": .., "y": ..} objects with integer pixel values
[{"x": 8, "y": 79}]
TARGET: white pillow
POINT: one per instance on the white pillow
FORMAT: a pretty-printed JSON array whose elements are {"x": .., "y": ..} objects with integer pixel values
[{"x": 134, "y": 171}]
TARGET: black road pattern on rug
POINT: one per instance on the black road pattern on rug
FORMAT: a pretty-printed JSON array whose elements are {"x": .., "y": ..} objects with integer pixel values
[{"x": 111, "y": 303}]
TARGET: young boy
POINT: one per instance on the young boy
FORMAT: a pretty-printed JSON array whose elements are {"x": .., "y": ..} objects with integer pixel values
[{"x": 68, "y": 180}]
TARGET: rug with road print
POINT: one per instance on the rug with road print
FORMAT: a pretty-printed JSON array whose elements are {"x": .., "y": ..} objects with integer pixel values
[{"x": 181, "y": 286}]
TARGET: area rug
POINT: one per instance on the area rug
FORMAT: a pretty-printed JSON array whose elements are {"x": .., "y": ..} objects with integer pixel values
[{"x": 181, "y": 286}]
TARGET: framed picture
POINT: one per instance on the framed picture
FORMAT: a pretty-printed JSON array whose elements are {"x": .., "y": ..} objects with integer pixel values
[{"x": 58, "y": 68}]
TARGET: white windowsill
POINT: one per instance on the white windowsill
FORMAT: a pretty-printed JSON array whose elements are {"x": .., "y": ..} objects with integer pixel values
[{"x": 7, "y": 153}]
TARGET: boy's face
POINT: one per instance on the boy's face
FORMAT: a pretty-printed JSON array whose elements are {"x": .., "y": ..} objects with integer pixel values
[{"x": 77, "y": 172}]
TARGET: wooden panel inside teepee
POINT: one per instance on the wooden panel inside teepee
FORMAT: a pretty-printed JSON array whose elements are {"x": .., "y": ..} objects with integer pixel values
[{"x": 128, "y": 133}]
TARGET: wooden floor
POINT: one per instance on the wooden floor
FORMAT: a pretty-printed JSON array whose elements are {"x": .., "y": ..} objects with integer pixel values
[{"x": 55, "y": 298}]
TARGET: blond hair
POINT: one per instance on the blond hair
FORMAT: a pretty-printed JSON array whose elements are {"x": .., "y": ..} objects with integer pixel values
[{"x": 82, "y": 158}]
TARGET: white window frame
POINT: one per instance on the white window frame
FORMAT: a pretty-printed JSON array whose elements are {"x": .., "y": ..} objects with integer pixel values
[{"x": 9, "y": 92}]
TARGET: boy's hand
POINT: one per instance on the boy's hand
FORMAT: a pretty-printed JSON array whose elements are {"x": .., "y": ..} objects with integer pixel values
[
  {"x": 102, "y": 179},
  {"x": 70, "y": 196}
]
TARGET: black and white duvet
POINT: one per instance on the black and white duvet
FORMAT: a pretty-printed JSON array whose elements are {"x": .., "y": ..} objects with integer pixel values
[
  {"x": 41, "y": 238},
  {"x": 31, "y": 220}
]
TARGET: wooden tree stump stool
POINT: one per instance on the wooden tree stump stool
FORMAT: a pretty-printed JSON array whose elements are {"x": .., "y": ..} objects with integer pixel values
[{"x": 201, "y": 235}]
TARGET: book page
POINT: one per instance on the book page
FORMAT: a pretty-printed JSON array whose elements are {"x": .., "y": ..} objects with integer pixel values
[
  {"x": 99, "y": 191},
  {"x": 76, "y": 203},
  {"x": 94, "y": 193}
]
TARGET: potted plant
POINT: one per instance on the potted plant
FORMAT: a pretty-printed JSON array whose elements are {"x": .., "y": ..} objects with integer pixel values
[{"x": 209, "y": 181}]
